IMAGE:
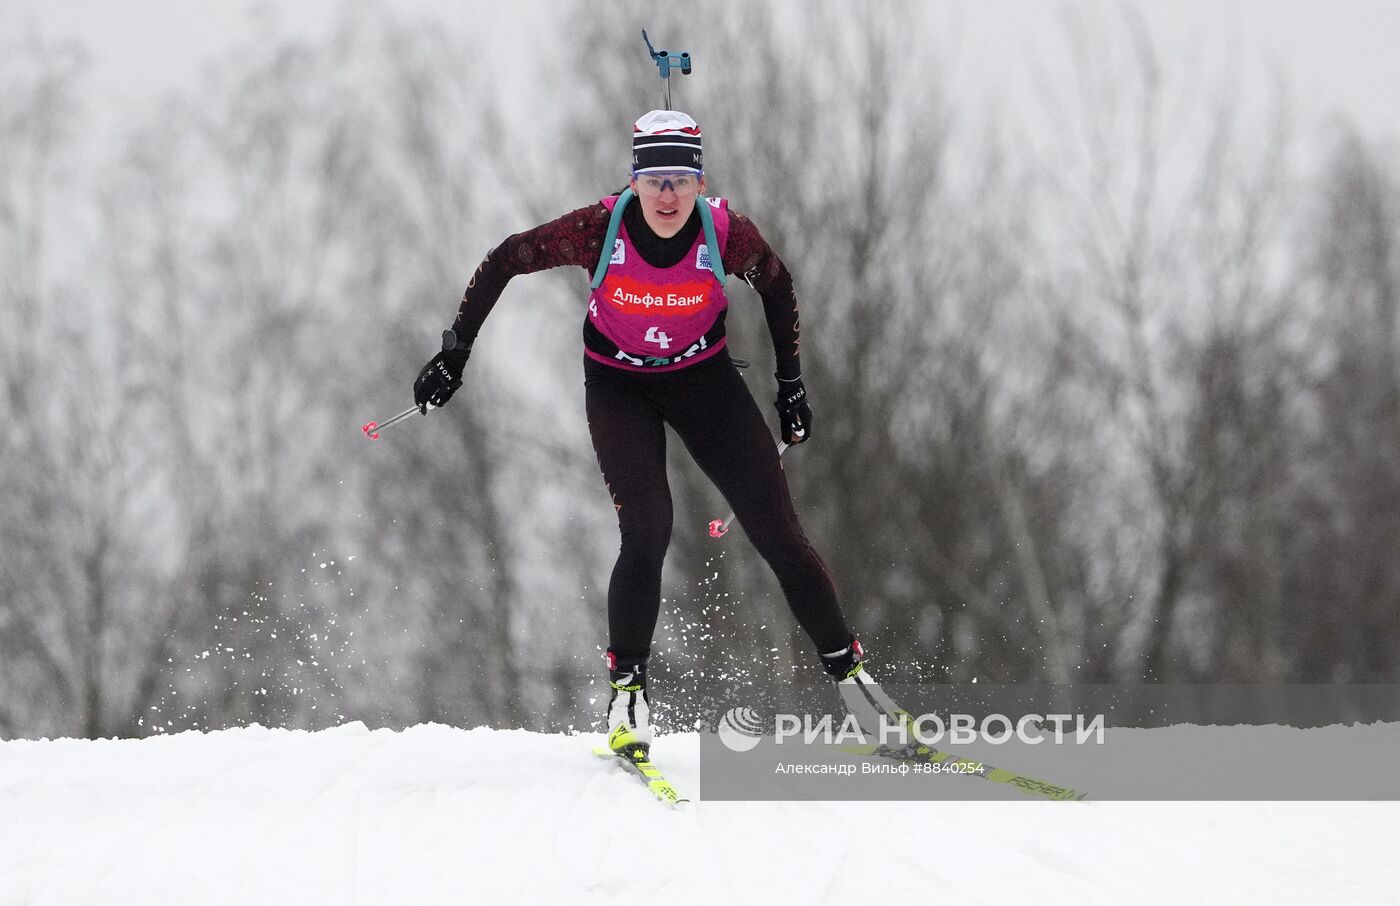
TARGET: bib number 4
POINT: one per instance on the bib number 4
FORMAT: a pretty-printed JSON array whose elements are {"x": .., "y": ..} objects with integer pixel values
[{"x": 656, "y": 336}]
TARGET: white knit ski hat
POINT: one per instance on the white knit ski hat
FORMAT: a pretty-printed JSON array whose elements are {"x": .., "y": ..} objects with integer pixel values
[{"x": 666, "y": 140}]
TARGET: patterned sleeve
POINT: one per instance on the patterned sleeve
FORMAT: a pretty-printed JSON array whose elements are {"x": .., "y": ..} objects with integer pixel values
[
  {"x": 747, "y": 254},
  {"x": 573, "y": 239}
]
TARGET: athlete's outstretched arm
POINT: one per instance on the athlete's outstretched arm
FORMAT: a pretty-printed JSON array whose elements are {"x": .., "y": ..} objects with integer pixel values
[
  {"x": 575, "y": 238},
  {"x": 748, "y": 255}
]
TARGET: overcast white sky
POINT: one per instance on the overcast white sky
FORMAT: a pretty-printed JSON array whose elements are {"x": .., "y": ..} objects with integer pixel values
[{"x": 1337, "y": 55}]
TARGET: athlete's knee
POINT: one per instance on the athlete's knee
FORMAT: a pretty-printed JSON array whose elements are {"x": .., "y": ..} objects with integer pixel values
[
  {"x": 647, "y": 532},
  {"x": 779, "y": 540}
]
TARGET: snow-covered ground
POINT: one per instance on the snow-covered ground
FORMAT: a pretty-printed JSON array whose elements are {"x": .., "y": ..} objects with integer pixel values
[{"x": 439, "y": 815}]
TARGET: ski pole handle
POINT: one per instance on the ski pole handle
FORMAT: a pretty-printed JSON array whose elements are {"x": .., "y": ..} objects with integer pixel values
[
  {"x": 719, "y": 526},
  {"x": 372, "y": 429}
]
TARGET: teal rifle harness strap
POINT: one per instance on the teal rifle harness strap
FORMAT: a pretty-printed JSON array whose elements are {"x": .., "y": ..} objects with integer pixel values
[{"x": 707, "y": 221}]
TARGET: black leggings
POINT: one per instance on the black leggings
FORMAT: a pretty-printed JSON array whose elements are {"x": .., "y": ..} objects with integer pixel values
[{"x": 711, "y": 410}]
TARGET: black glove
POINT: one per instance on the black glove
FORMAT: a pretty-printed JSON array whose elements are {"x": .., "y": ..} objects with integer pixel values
[
  {"x": 441, "y": 377},
  {"x": 794, "y": 415}
]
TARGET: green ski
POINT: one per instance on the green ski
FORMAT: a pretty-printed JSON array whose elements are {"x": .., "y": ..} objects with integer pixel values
[
  {"x": 915, "y": 753},
  {"x": 639, "y": 764}
]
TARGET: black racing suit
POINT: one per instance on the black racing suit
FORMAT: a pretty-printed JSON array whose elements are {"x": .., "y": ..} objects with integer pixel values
[{"x": 707, "y": 404}]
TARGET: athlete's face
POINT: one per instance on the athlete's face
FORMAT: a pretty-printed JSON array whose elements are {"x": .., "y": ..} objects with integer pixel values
[{"x": 667, "y": 199}]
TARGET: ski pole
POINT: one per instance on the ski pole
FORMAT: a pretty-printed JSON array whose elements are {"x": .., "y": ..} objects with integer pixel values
[
  {"x": 719, "y": 526},
  {"x": 372, "y": 429}
]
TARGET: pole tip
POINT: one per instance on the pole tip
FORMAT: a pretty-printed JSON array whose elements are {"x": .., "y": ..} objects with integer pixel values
[
  {"x": 370, "y": 431},
  {"x": 718, "y": 528}
]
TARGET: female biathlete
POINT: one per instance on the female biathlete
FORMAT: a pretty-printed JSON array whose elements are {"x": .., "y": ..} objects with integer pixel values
[{"x": 655, "y": 354}]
